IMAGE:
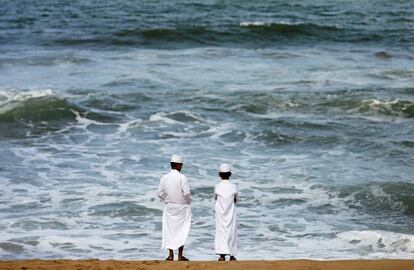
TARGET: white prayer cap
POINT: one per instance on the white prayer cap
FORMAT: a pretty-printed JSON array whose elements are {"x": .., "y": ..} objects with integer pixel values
[
  {"x": 224, "y": 167},
  {"x": 176, "y": 159}
]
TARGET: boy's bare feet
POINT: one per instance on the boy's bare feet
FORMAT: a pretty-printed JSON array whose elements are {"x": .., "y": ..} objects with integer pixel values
[
  {"x": 182, "y": 258},
  {"x": 222, "y": 258},
  {"x": 232, "y": 258}
]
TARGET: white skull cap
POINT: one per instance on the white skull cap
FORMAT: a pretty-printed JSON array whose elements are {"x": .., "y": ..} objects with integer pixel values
[
  {"x": 224, "y": 167},
  {"x": 176, "y": 159}
]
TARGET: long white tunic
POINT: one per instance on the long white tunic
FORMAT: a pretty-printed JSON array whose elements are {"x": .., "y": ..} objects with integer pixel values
[
  {"x": 176, "y": 219},
  {"x": 226, "y": 194}
]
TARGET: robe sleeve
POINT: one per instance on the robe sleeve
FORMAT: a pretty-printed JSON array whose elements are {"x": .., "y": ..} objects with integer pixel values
[
  {"x": 185, "y": 188},
  {"x": 161, "y": 193}
]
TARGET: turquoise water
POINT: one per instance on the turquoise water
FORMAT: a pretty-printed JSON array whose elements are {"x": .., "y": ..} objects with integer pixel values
[{"x": 311, "y": 102}]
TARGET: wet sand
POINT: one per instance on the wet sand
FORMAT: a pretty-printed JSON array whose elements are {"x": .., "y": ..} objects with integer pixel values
[{"x": 239, "y": 265}]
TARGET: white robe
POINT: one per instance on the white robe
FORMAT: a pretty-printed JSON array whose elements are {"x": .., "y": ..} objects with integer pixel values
[
  {"x": 226, "y": 223},
  {"x": 176, "y": 218}
]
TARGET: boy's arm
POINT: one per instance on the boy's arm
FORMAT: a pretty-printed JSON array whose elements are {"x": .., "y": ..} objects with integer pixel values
[
  {"x": 161, "y": 194},
  {"x": 236, "y": 196},
  {"x": 185, "y": 188}
]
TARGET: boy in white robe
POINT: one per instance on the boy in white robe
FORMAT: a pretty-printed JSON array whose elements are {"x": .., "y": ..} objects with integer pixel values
[
  {"x": 174, "y": 191},
  {"x": 226, "y": 196}
]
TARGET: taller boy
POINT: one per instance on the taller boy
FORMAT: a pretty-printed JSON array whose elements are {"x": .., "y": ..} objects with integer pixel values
[
  {"x": 226, "y": 196},
  {"x": 176, "y": 218}
]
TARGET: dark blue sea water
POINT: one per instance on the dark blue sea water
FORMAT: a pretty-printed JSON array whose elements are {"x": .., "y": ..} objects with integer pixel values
[{"x": 312, "y": 102}]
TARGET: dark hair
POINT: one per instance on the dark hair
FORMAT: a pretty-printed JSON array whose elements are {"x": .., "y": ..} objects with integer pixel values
[
  {"x": 225, "y": 175},
  {"x": 174, "y": 165}
]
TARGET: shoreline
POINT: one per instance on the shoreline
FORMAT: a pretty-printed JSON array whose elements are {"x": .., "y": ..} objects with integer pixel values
[{"x": 64, "y": 264}]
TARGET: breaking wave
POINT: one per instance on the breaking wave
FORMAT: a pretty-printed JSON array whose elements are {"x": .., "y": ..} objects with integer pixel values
[
  {"x": 246, "y": 33},
  {"x": 382, "y": 197},
  {"x": 379, "y": 241},
  {"x": 35, "y": 106},
  {"x": 45, "y": 106},
  {"x": 27, "y": 113},
  {"x": 402, "y": 108},
  {"x": 265, "y": 104}
]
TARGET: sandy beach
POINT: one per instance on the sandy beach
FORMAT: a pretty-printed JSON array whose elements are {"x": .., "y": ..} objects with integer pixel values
[{"x": 262, "y": 265}]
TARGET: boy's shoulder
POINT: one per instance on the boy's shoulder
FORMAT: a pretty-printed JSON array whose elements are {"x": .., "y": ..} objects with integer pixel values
[
  {"x": 220, "y": 184},
  {"x": 226, "y": 183},
  {"x": 173, "y": 173}
]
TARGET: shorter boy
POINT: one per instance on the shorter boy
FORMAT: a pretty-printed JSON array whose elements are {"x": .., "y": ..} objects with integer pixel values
[{"x": 226, "y": 196}]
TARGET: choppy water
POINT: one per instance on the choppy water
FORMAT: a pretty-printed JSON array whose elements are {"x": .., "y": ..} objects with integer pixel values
[{"x": 312, "y": 102}]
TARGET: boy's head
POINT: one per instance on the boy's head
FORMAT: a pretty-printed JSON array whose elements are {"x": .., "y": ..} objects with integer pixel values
[
  {"x": 176, "y": 162},
  {"x": 225, "y": 171}
]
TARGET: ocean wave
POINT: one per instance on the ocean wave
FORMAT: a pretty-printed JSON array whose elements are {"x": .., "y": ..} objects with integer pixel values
[
  {"x": 382, "y": 197},
  {"x": 34, "y": 106},
  {"x": 266, "y": 103},
  {"x": 290, "y": 27},
  {"x": 45, "y": 105},
  {"x": 123, "y": 209},
  {"x": 245, "y": 33},
  {"x": 36, "y": 112},
  {"x": 379, "y": 241},
  {"x": 218, "y": 23},
  {"x": 393, "y": 75},
  {"x": 11, "y": 247},
  {"x": 371, "y": 107},
  {"x": 275, "y": 137},
  {"x": 30, "y": 225},
  {"x": 46, "y": 60},
  {"x": 397, "y": 107},
  {"x": 109, "y": 103},
  {"x": 247, "y": 24},
  {"x": 351, "y": 104},
  {"x": 175, "y": 117}
]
